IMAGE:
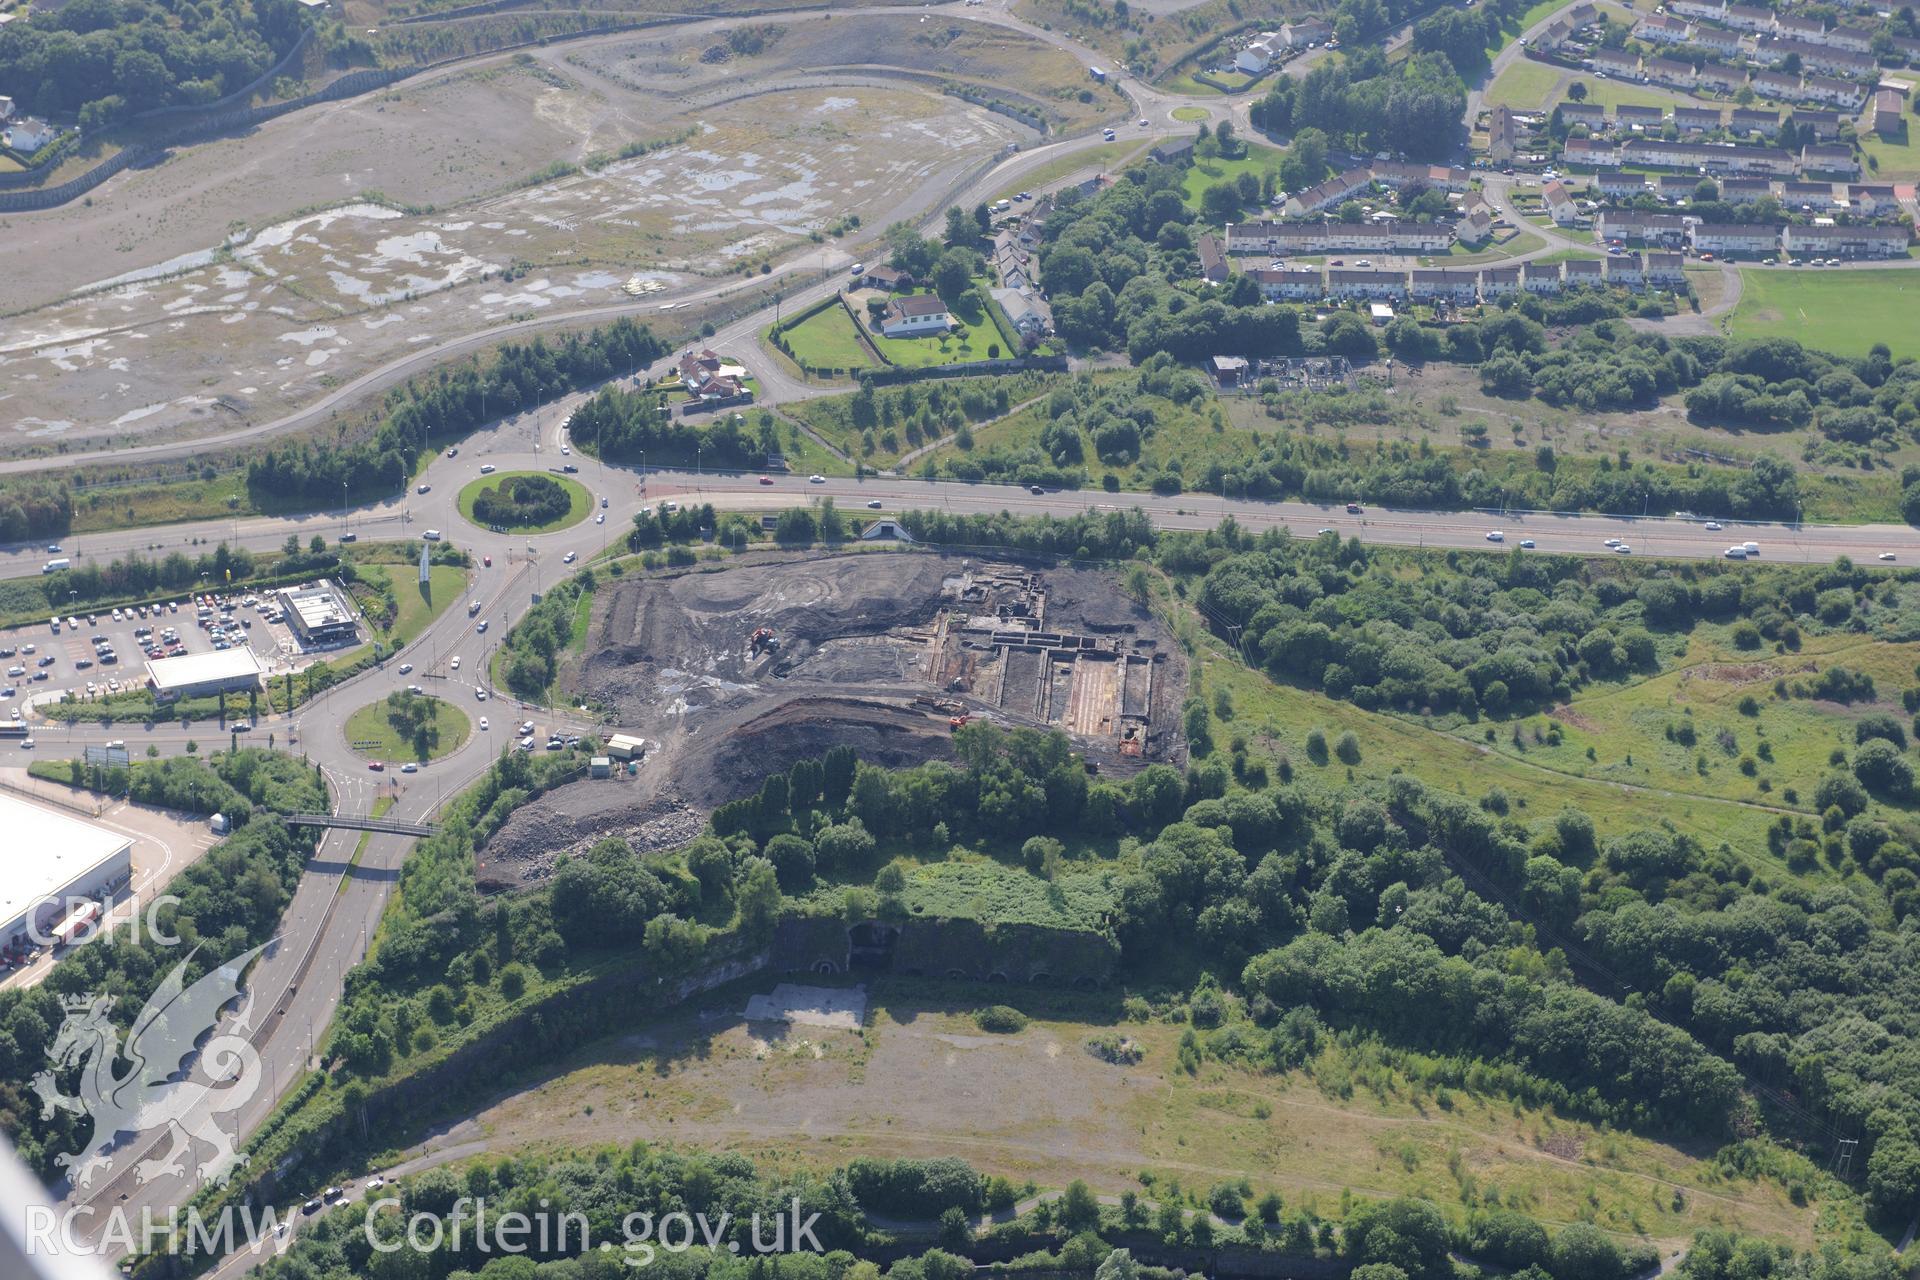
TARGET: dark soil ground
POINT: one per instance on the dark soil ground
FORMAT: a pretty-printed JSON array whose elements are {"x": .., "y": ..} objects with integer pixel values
[{"x": 672, "y": 654}]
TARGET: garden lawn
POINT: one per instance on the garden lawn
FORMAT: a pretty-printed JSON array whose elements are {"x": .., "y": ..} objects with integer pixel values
[
  {"x": 374, "y": 738},
  {"x": 982, "y": 333},
  {"x": 579, "y": 501},
  {"x": 827, "y": 341},
  {"x": 1845, "y": 312}
]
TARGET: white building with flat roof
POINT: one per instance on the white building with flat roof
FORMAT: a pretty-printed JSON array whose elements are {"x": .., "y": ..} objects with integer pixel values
[
  {"x": 219, "y": 671},
  {"x": 50, "y": 859}
]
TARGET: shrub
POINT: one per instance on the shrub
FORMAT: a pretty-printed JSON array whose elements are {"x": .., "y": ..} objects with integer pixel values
[{"x": 1000, "y": 1019}]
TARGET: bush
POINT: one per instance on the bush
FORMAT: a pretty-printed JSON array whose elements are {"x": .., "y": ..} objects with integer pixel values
[
  {"x": 1000, "y": 1019},
  {"x": 1348, "y": 748}
]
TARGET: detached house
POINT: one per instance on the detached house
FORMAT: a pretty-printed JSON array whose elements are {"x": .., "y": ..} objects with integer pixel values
[{"x": 914, "y": 316}]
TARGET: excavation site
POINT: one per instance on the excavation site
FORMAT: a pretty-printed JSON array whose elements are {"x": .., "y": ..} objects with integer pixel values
[{"x": 726, "y": 675}]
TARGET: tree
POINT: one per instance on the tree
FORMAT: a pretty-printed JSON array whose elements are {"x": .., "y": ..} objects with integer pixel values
[
  {"x": 756, "y": 895},
  {"x": 1577, "y": 91},
  {"x": 1078, "y": 1209},
  {"x": 953, "y": 274},
  {"x": 960, "y": 229}
]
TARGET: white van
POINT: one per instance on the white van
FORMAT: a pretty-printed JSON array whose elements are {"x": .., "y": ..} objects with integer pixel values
[
  {"x": 431, "y": 535},
  {"x": 1736, "y": 553}
]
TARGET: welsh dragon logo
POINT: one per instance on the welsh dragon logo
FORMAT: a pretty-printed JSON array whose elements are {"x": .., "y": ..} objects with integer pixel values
[{"x": 159, "y": 1089}]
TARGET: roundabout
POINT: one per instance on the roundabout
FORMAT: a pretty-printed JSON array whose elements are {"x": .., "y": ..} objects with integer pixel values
[
  {"x": 407, "y": 727},
  {"x": 525, "y": 502}
]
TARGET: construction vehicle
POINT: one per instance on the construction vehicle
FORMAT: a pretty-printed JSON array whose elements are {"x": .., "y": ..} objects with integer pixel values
[
  {"x": 955, "y": 722},
  {"x": 763, "y": 641}
]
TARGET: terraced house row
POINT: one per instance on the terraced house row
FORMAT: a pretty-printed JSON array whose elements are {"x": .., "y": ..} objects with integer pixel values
[
  {"x": 1465, "y": 286},
  {"x": 1752, "y": 239},
  {"x": 1711, "y": 157}
]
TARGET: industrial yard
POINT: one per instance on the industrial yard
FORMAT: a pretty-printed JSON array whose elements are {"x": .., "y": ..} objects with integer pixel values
[{"x": 733, "y": 673}]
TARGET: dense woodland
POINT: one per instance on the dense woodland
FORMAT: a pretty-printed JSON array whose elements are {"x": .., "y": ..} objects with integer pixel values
[{"x": 102, "y": 60}]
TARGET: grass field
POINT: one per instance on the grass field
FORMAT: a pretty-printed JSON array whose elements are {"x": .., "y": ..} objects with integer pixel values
[
  {"x": 1192, "y": 115},
  {"x": 828, "y": 341},
  {"x": 1785, "y": 740},
  {"x": 579, "y": 501},
  {"x": 1039, "y": 1107},
  {"x": 374, "y": 738},
  {"x": 1259, "y": 161},
  {"x": 1895, "y": 160},
  {"x": 1845, "y": 312},
  {"x": 1524, "y": 85}
]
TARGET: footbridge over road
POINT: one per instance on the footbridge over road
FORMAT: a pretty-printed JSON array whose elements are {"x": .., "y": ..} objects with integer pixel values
[{"x": 361, "y": 822}]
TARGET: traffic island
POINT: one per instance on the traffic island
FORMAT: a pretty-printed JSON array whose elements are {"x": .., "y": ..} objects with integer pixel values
[
  {"x": 405, "y": 726},
  {"x": 525, "y": 502}
]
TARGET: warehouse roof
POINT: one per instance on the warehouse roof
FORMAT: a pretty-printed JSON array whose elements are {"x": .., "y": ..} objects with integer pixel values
[
  {"x": 46, "y": 852},
  {"x": 238, "y": 663}
]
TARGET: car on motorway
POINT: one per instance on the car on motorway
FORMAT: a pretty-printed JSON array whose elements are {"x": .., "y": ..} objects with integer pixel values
[
  {"x": 1526, "y": 544},
  {"x": 53, "y": 548},
  {"x": 26, "y": 743},
  {"x": 482, "y": 627},
  {"x": 873, "y": 504},
  {"x": 1322, "y": 532},
  {"x": 766, "y": 479},
  {"x": 1496, "y": 535},
  {"x": 376, "y": 766},
  {"x": 455, "y": 664},
  {"x": 1036, "y": 491},
  {"x": 406, "y": 668},
  {"x": 1623, "y": 550},
  {"x": 1886, "y": 555},
  {"x": 1611, "y": 543},
  {"x": 816, "y": 479},
  {"x": 1713, "y": 526},
  {"x": 1353, "y": 508}
]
